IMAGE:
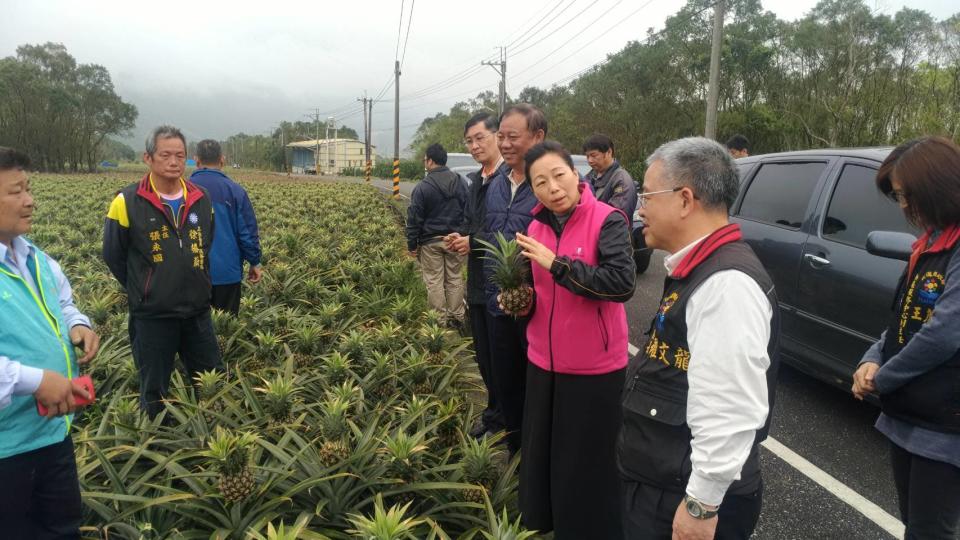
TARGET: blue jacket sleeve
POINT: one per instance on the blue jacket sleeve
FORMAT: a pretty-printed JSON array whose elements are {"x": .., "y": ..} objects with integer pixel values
[
  {"x": 937, "y": 341},
  {"x": 248, "y": 232}
]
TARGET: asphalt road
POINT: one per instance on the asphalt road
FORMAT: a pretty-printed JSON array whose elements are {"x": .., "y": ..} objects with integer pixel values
[{"x": 823, "y": 425}]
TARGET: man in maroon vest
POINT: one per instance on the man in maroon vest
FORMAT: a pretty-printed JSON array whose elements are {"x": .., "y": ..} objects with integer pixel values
[{"x": 698, "y": 396}]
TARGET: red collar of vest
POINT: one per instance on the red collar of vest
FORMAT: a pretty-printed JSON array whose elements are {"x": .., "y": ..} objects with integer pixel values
[
  {"x": 700, "y": 252},
  {"x": 947, "y": 239},
  {"x": 190, "y": 196}
]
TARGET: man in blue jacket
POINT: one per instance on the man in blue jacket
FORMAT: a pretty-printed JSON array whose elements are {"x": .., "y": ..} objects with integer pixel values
[
  {"x": 236, "y": 238},
  {"x": 436, "y": 210},
  {"x": 39, "y": 326}
]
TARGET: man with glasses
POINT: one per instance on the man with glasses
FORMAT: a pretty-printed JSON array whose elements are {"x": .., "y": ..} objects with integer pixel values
[
  {"x": 698, "y": 396},
  {"x": 435, "y": 211},
  {"x": 480, "y": 138}
]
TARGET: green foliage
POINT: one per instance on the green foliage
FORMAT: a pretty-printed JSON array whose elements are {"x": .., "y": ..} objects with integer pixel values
[{"x": 59, "y": 111}]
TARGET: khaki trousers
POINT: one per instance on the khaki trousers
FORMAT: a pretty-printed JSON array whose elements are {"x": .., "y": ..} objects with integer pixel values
[{"x": 442, "y": 274}]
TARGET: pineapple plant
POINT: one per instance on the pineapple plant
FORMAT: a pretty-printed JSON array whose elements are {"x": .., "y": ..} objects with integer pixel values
[
  {"x": 510, "y": 271},
  {"x": 306, "y": 341},
  {"x": 126, "y": 416},
  {"x": 402, "y": 308},
  {"x": 268, "y": 345},
  {"x": 336, "y": 368},
  {"x": 381, "y": 382},
  {"x": 208, "y": 384},
  {"x": 417, "y": 374},
  {"x": 279, "y": 399},
  {"x": 448, "y": 429},
  {"x": 478, "y": 463},
  {"x": 231, "y": 454},
  {"x": 335, "y": 431},
  {"x": 392, "y": 524},
  {"x": 434, "y": 339},
  {"x": 354, "y": 345},
  {"x": 329, "y": 313},
  {"x": 402, "y": 456}
]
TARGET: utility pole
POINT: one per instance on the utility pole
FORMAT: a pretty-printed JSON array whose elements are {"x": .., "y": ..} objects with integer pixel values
[
  {"x": 396, "y": 129},
  {"x": 367, "y": 113},
  {"x": 316, "y": 153},
  {"x": 501, "y": 69},
  {"x": 326, "y": 141},
  {"x": 713, "y": 91}
]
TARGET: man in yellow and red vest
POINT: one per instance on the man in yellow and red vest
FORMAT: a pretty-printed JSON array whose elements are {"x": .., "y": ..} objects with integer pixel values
[
  {"x": 39, "y": 326},
  {"x": 156, "y": 242}
]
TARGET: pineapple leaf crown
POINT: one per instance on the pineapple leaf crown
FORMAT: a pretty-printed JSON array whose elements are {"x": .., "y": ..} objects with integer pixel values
[{"x": 510, "y": 266}]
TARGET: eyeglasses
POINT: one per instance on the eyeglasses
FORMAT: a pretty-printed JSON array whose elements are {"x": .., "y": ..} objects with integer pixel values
[
  {"x": 468, "y": 142},
  {"x": 897, "y": 196},
  {"x": 642, "y": 199}
]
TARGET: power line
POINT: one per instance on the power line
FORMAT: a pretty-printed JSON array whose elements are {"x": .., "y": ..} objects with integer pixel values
[
  {"x": 409, "y": 23},
  {"x": 474, "y": 67},
  {"x": 598, "y": 64},
  {"x": 570, "y": 20},
  {"x": 396, "y": 54},
  {"x": 533, "y": 29}
]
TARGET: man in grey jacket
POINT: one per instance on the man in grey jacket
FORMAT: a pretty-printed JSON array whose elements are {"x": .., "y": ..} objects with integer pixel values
[
  {"x": 611, "y": 183},
  {"x": 436, "y": 210}
]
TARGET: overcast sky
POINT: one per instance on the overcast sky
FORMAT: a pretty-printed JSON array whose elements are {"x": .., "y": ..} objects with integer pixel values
[{"x": 216, "y": 67}]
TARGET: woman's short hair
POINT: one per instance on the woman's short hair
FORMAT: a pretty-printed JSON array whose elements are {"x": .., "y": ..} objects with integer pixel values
[
  {"x": 928, "y": 169},
  {"x": 542, "y": 149}
]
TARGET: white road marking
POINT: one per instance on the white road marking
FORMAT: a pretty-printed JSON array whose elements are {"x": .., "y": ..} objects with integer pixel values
[{"x": 858, "y": 502}]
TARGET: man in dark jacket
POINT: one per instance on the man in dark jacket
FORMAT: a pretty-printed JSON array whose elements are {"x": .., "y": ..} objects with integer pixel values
[
  {"x": 156, "y": 242},
  {"x": 237, "y": 237},
  {"x": 480, "y": 137},
  {"x": 611, "y": 183},
  {"x": 436, "y": 210}
]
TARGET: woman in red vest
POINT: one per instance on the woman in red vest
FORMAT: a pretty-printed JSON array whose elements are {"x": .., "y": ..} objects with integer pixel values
[
  {"x": 915, "y": 367},
  {"x": 583, "y": 272}
]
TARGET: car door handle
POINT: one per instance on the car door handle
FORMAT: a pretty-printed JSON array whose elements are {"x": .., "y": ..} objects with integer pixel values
[{"x": 815, "y": 261}]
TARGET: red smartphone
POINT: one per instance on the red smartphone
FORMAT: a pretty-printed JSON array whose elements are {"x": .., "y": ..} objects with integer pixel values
[{"x": 87, "y": 383}]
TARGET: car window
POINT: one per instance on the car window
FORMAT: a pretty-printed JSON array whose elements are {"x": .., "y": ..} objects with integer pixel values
[
  {"x": 857, "y": 207},
  {"x": 780, "y": 192}
]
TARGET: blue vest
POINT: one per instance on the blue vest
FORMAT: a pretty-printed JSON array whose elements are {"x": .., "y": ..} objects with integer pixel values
[{"x": 32, "y": 332}]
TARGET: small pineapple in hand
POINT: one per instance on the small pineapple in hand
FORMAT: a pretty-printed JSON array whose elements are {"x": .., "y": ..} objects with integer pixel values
[
  {"x": 231, "y": 453},
  {"x": 510, "y": 271}
]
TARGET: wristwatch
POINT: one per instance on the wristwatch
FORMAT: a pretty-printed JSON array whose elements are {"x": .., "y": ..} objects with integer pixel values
[{"x": 697, "y": 509}]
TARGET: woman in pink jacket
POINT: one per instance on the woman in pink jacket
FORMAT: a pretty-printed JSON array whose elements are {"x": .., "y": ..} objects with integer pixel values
[{"x": 583, "y": 272}]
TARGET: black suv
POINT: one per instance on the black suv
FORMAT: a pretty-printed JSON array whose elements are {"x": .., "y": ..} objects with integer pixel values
[{"x": 807, "y": 215}]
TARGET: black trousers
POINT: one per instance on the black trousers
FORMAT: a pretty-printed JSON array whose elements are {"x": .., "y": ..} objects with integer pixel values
[
  {"x": 928, "y": 493},
  {"x": 156, "y": 342},
  {"x": 648, "y": 513},
  {"x": 479, "y": 328},
  {"x": 569, "y": 481},
  {"x": 508, "y": 364},
  {"x": 40, "y": 494},
  {"x": 226, "y": 298}
]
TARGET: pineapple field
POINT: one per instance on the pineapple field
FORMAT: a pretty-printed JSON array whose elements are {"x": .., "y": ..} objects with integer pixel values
[{"x": 344, "y": 406}]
